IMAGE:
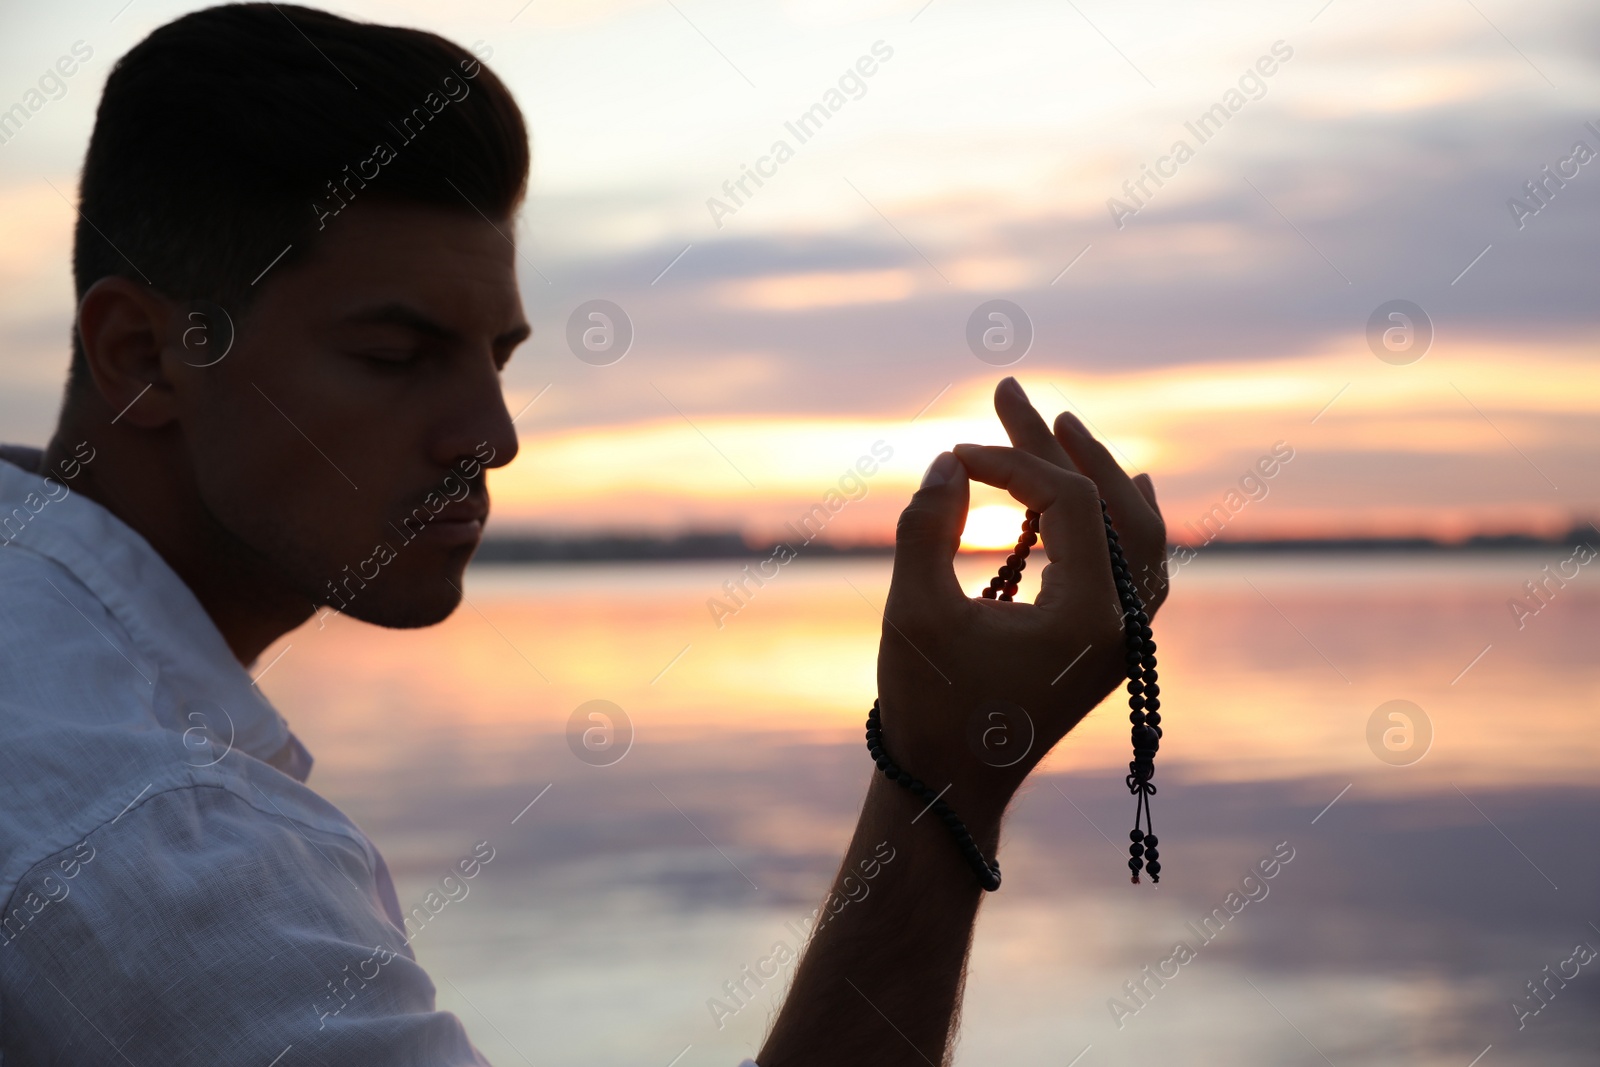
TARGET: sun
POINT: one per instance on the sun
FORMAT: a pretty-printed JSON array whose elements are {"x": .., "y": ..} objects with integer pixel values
[{"x": 993, "y": 527}]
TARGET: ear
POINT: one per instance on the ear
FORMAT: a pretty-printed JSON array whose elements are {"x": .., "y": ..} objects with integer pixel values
[{"x": 123, "y": 326}]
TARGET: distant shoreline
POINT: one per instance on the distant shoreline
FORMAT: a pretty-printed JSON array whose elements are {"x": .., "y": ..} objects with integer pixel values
[{"x": 609, "y": 548}]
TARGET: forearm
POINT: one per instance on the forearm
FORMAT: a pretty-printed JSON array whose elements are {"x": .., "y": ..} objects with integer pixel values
[{"x": 880, "y": 982}]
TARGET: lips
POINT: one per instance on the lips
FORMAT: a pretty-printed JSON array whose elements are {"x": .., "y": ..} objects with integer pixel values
[
  {"x": 458, "y": 522},
  {"x": 468, "y": 510}
]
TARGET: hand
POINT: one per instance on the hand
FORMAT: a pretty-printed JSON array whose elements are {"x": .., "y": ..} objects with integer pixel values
[{"x": 944, "y": 656}]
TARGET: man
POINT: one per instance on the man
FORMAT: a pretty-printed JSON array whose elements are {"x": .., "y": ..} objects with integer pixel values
[{"x": 296, "y": 295}]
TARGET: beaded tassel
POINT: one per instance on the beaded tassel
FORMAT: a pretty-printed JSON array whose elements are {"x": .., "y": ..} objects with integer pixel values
[{"x": 1144, "y": 703}]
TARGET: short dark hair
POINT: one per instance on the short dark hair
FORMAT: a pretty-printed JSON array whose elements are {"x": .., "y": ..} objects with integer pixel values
[{"x": 234, "y": 132}]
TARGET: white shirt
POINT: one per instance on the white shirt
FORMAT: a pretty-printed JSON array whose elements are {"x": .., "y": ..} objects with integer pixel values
[{"x": 173, "y": 892}]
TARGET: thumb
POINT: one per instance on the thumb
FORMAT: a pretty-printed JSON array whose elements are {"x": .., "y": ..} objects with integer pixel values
[{"x": 928, "y": 534}]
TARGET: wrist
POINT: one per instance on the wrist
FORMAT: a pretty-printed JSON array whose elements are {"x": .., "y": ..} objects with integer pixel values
[
  {"x": 973, "y": 757},
  {"x": 982, "y": 820},
  {"x": 909, "y": 822},
  {"x": 977, "y": 849}
]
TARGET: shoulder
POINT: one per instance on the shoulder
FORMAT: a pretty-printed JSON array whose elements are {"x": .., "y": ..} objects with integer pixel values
[
  {"x": 96, "y": 722},
  {"x": 58, "y": 643}
]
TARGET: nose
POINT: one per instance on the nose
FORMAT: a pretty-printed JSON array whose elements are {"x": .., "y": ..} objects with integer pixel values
[{"x": 478, "y": 426}]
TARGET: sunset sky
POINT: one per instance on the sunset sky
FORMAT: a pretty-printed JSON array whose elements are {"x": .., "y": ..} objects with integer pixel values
[{"x": 780, "y": 336}]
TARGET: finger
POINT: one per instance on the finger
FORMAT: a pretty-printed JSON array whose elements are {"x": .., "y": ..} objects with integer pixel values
[
  {"x": 1129, "y": 509},
  {"x": 1025, "y": 426},
  {"x": 1147, "y": 489},
  {"x": 927, "y": 536},
  {"x": 1070, "y": 521},
  {"x": 1133, "y": 508}
]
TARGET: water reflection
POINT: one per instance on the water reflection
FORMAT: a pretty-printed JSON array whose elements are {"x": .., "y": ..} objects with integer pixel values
[{"x": 1413, "y": 913}]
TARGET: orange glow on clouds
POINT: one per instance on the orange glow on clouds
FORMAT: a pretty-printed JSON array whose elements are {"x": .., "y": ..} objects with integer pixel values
[
  {"x": 1195, "y": 428},
  {"x": 796, "y": 292}
]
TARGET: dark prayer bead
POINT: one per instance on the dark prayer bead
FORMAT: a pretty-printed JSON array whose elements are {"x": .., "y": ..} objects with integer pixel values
[
  {"x": 1135, "y": 835},
  {"x": 1155, "y": 868},
  {"x": 1150, "y": 841}
]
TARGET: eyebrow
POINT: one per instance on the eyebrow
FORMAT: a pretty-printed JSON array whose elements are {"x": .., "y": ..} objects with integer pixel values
[{"x": 410, "y": 318}]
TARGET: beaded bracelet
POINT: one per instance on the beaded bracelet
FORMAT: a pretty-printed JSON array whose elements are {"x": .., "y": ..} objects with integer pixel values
[{"x": 988, "y": 873}]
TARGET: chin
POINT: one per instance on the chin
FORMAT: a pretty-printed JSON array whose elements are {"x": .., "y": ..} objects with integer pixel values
[
  {"x": 413, "y": 597},
  {"x": 405, "y": 614}
]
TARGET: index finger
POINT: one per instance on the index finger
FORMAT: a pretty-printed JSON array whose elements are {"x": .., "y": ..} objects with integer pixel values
[
  {"x": 1026, "y": 427},
  {"x": 1071, "y": 524}
]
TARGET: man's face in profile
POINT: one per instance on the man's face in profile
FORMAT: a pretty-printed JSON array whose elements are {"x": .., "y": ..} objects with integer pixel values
[{"x": 343, "y": 437}]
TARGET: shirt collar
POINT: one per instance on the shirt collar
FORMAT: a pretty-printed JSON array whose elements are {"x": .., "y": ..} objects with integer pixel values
[{"x": 200, "y": 684}]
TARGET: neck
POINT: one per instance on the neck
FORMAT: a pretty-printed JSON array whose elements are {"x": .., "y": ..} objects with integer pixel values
[{"x": 143, "y": 477}]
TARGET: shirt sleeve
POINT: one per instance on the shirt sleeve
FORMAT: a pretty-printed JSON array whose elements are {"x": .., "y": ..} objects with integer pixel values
[{"x": 197, "y": 929}]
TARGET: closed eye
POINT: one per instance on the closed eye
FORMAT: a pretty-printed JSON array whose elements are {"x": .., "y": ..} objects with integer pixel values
[{"x": 389, "y": 357}]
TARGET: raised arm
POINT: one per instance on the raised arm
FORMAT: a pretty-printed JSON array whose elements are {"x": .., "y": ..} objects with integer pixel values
[{"x": 881, "y": 979}]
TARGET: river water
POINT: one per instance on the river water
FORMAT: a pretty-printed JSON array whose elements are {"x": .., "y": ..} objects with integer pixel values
[{"x": 1436, "y": 863}]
